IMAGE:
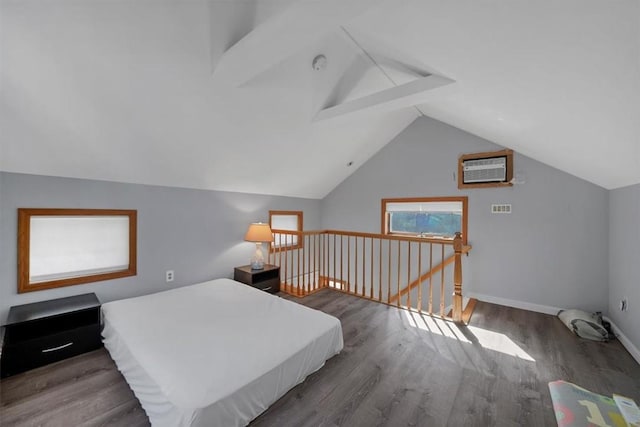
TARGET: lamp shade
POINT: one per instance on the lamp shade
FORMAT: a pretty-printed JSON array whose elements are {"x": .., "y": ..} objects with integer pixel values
[{"x": 259, "y": 232}]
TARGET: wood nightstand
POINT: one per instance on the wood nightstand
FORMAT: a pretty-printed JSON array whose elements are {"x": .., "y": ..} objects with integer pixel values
[
  {"x": 267, "y": 279},
  {"x": 45, "y": 332}
]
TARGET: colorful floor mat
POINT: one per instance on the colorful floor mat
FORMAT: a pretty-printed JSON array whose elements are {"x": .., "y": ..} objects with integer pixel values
[{"x": 577, "y": 407}]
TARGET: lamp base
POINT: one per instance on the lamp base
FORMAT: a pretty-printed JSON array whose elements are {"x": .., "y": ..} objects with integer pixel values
[{"x": 257, "y": 260}]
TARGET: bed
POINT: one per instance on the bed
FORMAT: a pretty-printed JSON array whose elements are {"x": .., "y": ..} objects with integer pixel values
[{"x": 217, "y": 353}]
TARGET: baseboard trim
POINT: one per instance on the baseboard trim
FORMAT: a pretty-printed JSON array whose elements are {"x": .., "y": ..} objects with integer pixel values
[
  {"x": 539, "y": 308},
  {"x": 626, "y": 342}
]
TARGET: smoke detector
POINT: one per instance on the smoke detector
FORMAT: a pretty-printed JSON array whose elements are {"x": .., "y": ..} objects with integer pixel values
[{"x": 319, "y": 62}]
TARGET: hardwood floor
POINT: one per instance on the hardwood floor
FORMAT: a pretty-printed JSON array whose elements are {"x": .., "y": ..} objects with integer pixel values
[{"x": 396, "y": 369}]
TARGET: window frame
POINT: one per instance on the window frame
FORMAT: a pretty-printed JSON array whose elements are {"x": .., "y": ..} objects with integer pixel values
[
  {"x": 273, "y": 247},
  {"x": 384, "y": 216},
  {"x": 24, "y": 234}
]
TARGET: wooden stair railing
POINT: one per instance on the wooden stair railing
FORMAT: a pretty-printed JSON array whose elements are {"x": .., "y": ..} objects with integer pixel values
[
  {"x": 383, "y": 268},
  {"x": 428, "y": 275},
  {"x": 457, "y": 279}
]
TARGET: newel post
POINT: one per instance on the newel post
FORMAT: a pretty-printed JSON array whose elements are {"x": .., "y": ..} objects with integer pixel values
[{"x": 457, "y": 279}]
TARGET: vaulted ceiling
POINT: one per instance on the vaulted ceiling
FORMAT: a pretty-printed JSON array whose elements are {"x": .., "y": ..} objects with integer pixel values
[{"x": 222, "y": 94}]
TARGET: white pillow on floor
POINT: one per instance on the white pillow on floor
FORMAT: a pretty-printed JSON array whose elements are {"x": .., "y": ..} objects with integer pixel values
[{"x": 583, "y": 324}]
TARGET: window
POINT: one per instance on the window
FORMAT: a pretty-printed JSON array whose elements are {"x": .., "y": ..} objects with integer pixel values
[
  {"x": 63, "y": 247},
  {"x": 437, "y": 217},
  {"x": 285, "y": 220}
]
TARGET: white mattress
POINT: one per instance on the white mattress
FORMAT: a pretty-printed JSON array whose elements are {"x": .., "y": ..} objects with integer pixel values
[{"x": 217, "y": 353}]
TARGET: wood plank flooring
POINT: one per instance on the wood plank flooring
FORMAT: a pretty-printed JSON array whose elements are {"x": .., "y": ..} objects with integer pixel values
[{"x": 396, "y": 369}]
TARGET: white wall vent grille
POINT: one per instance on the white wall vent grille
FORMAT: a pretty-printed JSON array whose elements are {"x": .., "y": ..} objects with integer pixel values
[
  {"x": 493, "y": 169},
  {"x": 501, "y": 209}
]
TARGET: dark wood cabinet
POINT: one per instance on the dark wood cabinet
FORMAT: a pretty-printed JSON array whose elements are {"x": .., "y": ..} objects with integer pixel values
[
  {"x": 45, "y": 332},
  {"x": 267, "y": 279}
]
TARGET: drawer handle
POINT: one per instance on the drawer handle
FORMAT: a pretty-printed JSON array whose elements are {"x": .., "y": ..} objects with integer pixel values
[
  {"x": 267, "y": 288},
  {"x": 60, "y": 347}
]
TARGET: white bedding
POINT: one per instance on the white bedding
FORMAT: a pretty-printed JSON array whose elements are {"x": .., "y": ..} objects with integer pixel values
[{"x": 217, "y": 353}]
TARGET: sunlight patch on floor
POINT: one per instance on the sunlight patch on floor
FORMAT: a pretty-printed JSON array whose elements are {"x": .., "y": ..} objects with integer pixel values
[
  {"x": 499, "y": 342},
  {"x": 487, "y": 339}
]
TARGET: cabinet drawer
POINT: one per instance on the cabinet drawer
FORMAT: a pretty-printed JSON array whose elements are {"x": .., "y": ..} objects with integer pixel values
[
  {"x": 35, "y": 329},
  {"x": 271, "y": 285},
  {"x": 25, "y": 355}
]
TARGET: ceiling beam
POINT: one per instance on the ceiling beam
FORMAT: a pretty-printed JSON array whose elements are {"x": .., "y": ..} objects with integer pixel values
[
  {"x": 405, "y": 95},
  {"x": 377, "y": 54},
  {"x": 271, "y": 42}
]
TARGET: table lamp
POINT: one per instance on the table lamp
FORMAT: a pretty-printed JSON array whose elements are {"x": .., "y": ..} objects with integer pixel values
[{"x": 258, "y": 233}]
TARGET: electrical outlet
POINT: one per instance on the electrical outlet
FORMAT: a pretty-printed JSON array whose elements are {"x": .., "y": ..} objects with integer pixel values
[
  {"x": 169, "y": 275},
  {"x": 624, "y": 304}
]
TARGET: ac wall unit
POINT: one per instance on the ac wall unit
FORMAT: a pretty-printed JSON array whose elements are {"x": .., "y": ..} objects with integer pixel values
[
  {"x": 485, "y": 170},
  {"x": 489, "y": 169}
]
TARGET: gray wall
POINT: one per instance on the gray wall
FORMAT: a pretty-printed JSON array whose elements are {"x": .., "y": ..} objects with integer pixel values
[
  {"x": 198, "y": 234},
  {"x": 551, "y": 251},
  {"x": 624, "y": 259}
]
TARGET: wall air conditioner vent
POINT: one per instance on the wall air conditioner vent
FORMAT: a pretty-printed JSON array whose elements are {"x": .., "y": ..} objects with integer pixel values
[
  {"x": 501, "y": 209},
  {"x": 485, "y": 170},
  {"x": 490, "y": 169}
]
